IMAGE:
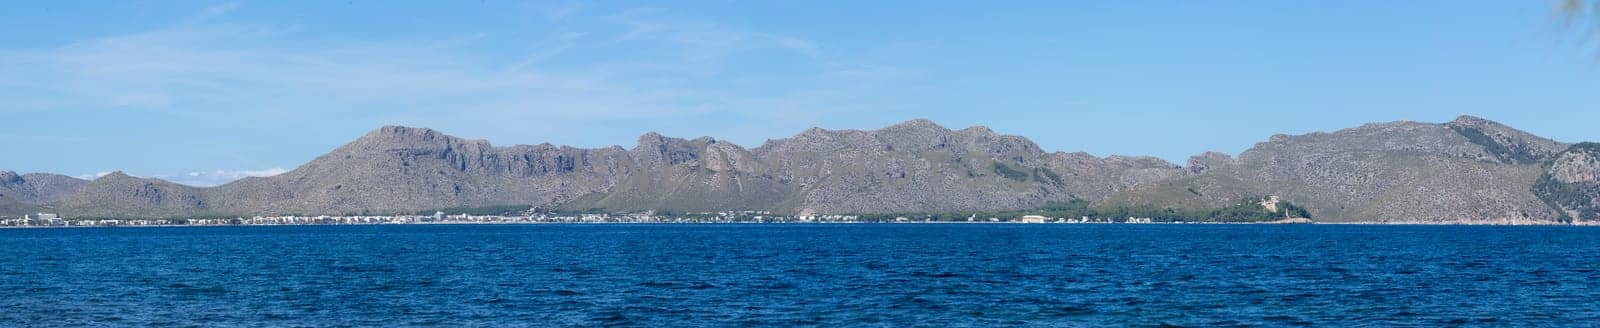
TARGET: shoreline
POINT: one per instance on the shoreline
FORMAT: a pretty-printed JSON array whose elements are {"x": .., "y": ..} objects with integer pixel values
[{"x": 1554, "y": 224}]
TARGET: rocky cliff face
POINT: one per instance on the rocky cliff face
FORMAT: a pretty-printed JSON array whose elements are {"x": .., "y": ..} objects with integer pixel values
[
  {"x": 1467, "y": 170},
  {"x": 1571, "y": 184},
  {"x": 916, "y": 166},
  {"x": 675, "y": 174},
  {"x": 1580, "y": 164},
  {"x": 399, "y": 169}
]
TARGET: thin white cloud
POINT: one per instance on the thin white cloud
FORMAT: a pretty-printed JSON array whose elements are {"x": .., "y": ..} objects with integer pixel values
[
  {"x": 219, "y": 177},
  {"x": 670, "y": 67},
  {"x": 202, "y": 178},
  {"x": 546, "y": 49},
  {"x": 216, "y": 10},
  {"x": 91, "y": 176}
]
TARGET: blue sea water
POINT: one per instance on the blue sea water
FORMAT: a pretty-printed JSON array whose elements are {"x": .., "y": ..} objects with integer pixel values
[{"x": 801, "y": 275}]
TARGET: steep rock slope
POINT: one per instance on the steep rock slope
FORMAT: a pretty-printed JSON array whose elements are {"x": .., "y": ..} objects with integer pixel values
[
  {"x": 1469, "y": 170},
  {"x": 37, "y": 188},
  {"x": 912, "y": 166},
  {"x": 915, "y": 166},
  {"x": 1572, "y": 182},
  {"x": 400, "y": 169},
  {"x": 702, "y": 174},
  {"x": 1504, "y": 144},
  {"x": 120, "y": 195}
]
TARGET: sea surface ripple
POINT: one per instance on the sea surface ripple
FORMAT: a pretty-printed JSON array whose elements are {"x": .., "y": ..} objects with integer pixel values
[{"x": 934, "y": 275}]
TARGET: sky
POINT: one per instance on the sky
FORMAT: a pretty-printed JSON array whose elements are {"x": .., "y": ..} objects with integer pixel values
[{"x": 203, "y": 93}]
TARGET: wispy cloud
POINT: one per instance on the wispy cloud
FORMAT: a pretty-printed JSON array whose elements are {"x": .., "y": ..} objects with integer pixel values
[
  {"x": 91, "y": 176},
  {"x": 202, "y": 178},
  {"x": 585, "y": 72},
  {"x": 216, "y": 10},
  {"x": 266, "y": 68},
  {"x": 219, "y": 177}
]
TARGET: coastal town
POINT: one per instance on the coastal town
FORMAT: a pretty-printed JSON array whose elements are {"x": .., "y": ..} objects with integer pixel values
[
  {"x": 538, "y": 215},
  {"x": 56, "y": 220}
]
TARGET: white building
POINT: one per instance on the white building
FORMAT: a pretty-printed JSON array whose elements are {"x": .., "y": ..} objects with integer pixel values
[{"x": 1270, "y": 203}]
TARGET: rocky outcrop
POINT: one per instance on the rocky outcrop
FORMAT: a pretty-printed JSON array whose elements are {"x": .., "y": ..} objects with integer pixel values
[
  {"x": 1580, "y": 164},
  {"x": 1205, "y": 161},
  {"x": 1571, "y": 184}
]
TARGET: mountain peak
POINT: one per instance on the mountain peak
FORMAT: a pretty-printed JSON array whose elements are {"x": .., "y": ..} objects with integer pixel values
[
  {"x": 1472, "y": 120},
  {"x": 9, "y": 176},
  {"x": 1207, "y": 161},
  {"x": 919, "y": 124},
  {"x": 978, "y": 130},
  {"x": 1503, "y": 142},
  {"x": 393, "y": 127},
  {"x": 654, "y": 140},
  {"x": 650, "y": 138},
  {"x": 397, "y": 130},
  {"x": 401, "y": 136}
]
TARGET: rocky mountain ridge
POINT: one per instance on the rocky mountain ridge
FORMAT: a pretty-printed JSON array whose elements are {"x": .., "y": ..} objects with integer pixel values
[
  {"x": 21, "y": 193},
  {"x": 1467, "y": 170}
]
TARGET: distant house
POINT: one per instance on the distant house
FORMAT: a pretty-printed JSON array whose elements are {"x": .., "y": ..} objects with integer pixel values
[
  {"x": 1270, "y": 203},
  {"x": 43, "y": 219},
  {"x": 1033, "y": 219}
]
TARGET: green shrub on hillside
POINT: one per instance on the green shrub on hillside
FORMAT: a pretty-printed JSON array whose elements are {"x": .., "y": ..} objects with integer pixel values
[{"x": 1010, "y": 173}]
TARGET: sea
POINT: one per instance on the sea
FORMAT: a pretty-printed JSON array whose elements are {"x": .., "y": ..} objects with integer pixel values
[{"x": 829, "y": 275}]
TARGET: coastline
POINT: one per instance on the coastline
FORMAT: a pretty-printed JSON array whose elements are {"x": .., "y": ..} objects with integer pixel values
[{"x": 1553, "y": 224}]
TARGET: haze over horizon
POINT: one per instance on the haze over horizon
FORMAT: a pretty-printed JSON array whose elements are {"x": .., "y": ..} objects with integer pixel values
[{"x": 203, "y": 93}]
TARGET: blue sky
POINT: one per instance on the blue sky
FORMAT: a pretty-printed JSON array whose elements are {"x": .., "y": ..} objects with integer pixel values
[{"x": 206, "y": 92}]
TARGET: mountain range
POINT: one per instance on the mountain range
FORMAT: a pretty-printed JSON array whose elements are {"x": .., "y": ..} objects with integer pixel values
[{"x": 1469, "y": 170}]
